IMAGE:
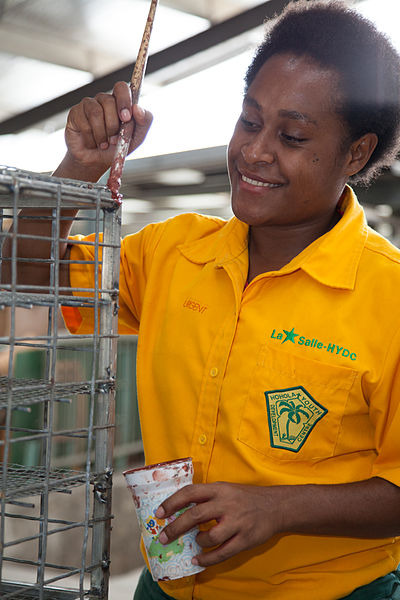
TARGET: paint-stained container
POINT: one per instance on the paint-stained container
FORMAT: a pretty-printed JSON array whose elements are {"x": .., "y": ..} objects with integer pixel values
[{"x": 150, "y": 486}]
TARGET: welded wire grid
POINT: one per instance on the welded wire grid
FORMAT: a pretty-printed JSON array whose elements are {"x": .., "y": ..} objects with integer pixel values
[
  {"x": 26, "y": 392},
  {"x": 35, "y": 408}
]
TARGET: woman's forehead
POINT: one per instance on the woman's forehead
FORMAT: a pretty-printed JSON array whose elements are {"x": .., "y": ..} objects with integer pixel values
[{"x": 294, "y": 84}]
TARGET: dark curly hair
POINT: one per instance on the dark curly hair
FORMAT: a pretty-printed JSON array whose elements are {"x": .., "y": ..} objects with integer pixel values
[{"x": 338, "y": 37}]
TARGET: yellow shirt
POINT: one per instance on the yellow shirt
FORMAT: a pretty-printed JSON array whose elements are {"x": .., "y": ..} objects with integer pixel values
[{"x": 290, "y": 380}]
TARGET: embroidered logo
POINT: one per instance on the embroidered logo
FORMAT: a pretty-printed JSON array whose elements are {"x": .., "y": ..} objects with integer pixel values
[
  {"x": 292, "y": 414},
  {"x": 301, "y": 340}
]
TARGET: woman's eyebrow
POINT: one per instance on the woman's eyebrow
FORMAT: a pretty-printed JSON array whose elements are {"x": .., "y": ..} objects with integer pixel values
[
  {"x": 288, "y": 114},
  {"x": 297, "y": 116},
  {"x": 252, "y": 101}
]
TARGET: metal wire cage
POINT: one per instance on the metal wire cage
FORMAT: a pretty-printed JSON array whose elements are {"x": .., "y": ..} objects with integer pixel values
[{"x": 32, "y": 495}]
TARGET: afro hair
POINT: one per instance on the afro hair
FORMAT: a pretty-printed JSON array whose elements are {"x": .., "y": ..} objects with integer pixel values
[{"x": 338, "y": 37}]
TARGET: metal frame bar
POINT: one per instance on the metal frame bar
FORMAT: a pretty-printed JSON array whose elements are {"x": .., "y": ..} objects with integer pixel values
[{"x": 96, "y": 394}]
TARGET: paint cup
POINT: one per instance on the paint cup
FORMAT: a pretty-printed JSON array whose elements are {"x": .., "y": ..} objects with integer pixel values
[{"x": 150, "y": 486}]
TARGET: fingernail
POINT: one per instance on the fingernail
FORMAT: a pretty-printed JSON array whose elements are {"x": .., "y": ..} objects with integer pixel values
[
  {"x": 114, "y": 140},
  {"x": 104, "y": 145},
  {"x": 195, "y": 561},
  {"x": 125, "y": 114},
  {"x": 163, "y": 538},
  {"x": 160, "y": 512}
]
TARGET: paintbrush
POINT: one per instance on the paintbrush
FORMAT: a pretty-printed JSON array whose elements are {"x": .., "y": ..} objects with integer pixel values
[{"x": 127, "y": 129}]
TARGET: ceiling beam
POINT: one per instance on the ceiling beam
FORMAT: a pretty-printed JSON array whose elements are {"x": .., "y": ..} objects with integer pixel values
[
  {"x": 205, "y": 40},
  {"x": 53, "y": 49},
  {"x": 214, "y": 11}
]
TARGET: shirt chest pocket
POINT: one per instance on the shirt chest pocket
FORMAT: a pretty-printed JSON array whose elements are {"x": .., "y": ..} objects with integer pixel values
[{"x": 294, "y": 407}]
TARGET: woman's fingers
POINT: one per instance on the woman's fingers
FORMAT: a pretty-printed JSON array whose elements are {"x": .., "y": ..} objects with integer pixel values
[
  {"x": 143, "y": 120},
  {"x": 93, "y": 126},
  {"x": 236, "y": 517},
  {"x": 96, "y": 125},
  {"x": 110, "y": 124},
  {"x": 123, "y": 99}
]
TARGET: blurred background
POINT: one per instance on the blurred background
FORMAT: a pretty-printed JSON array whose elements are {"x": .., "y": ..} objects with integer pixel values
[{"x": 53, "y": 53}]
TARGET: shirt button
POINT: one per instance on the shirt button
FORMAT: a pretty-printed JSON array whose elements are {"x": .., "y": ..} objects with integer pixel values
[
  {"x": 202, "y": 439},
  {"x": 214, "y": 372}
]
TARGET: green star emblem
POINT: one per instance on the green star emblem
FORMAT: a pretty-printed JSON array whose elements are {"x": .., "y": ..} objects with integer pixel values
[{"x": 290, "y": 335}]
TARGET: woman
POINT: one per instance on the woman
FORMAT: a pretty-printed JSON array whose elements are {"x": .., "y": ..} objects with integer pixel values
[{"x": 284, "y": 387}]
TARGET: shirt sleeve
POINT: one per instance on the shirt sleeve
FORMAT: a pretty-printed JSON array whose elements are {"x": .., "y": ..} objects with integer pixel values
[
  {"x": 134, "y": 263},
  {"x": 385, "y": 416}
]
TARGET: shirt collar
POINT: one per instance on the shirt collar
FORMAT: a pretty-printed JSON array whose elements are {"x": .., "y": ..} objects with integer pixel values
[
  {"x": 222, "y": 246},
  {"x": 332, "y": 259}
]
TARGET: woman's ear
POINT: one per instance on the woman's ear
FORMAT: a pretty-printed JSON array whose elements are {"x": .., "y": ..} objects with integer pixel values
[{"x": 360, "y": 152}]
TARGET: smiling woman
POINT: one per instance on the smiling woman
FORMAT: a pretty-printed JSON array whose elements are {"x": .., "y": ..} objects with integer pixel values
[
  {"x": 321, "y": 108},
  {"x": 282, "y": 380},
  {"x": 290, "y": 157},
  {"x": 290, "y": 139}
]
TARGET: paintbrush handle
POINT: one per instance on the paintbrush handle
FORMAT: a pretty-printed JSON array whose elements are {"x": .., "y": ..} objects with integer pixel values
[
  {"x": 141, "y": 60},
  {"x": 127, "y": 129}
]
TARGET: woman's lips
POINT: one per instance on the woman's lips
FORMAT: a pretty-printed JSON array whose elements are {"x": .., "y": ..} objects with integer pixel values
[{"x": 258, "y": 183}]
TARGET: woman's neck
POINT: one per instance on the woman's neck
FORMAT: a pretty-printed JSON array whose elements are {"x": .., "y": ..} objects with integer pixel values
[{"x": 271, "y": 248}]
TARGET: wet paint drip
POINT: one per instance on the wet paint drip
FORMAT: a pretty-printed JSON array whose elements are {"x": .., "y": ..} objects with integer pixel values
[
  {"x": 160, "y": 475},
  {"x": 114, "y": 179}
]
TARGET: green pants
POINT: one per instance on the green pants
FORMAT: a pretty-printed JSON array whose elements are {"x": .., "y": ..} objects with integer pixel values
[
  {"x": 384, "y": 588},
  {"x": 147, "y": 589}
]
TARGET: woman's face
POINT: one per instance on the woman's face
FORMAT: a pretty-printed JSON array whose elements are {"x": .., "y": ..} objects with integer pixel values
[{"x": 286, "y": 160}]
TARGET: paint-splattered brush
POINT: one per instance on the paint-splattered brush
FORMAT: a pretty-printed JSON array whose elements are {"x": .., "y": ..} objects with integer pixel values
[{"x": 126, "y": 131}]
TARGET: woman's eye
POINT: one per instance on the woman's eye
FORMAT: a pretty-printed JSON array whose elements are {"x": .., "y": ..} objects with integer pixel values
[
  {"x": 249, "y": 125},
  {"x": 291, "y": 139}
]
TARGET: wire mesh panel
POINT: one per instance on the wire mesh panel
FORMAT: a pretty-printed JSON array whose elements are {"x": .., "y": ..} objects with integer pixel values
[{"x": 55, "y": 522}]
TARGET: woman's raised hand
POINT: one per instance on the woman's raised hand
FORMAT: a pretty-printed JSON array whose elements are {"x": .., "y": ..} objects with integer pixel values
[{"x": 91, "y": 133}]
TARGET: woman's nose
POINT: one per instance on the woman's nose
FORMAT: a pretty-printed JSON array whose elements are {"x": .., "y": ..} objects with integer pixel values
[{"x": 257, "y": 150}]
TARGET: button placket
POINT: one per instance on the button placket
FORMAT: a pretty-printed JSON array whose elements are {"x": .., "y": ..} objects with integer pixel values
[
  {"x": 206, "y": 420},
  {"x": 209, "y": 403}
]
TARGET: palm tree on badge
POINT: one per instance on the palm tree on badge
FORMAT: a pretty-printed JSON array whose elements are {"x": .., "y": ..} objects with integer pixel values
[{"x": 294, "y": 412}]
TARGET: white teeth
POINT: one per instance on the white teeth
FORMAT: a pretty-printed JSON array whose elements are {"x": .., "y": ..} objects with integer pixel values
[{"x": 260, "y": 183}]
